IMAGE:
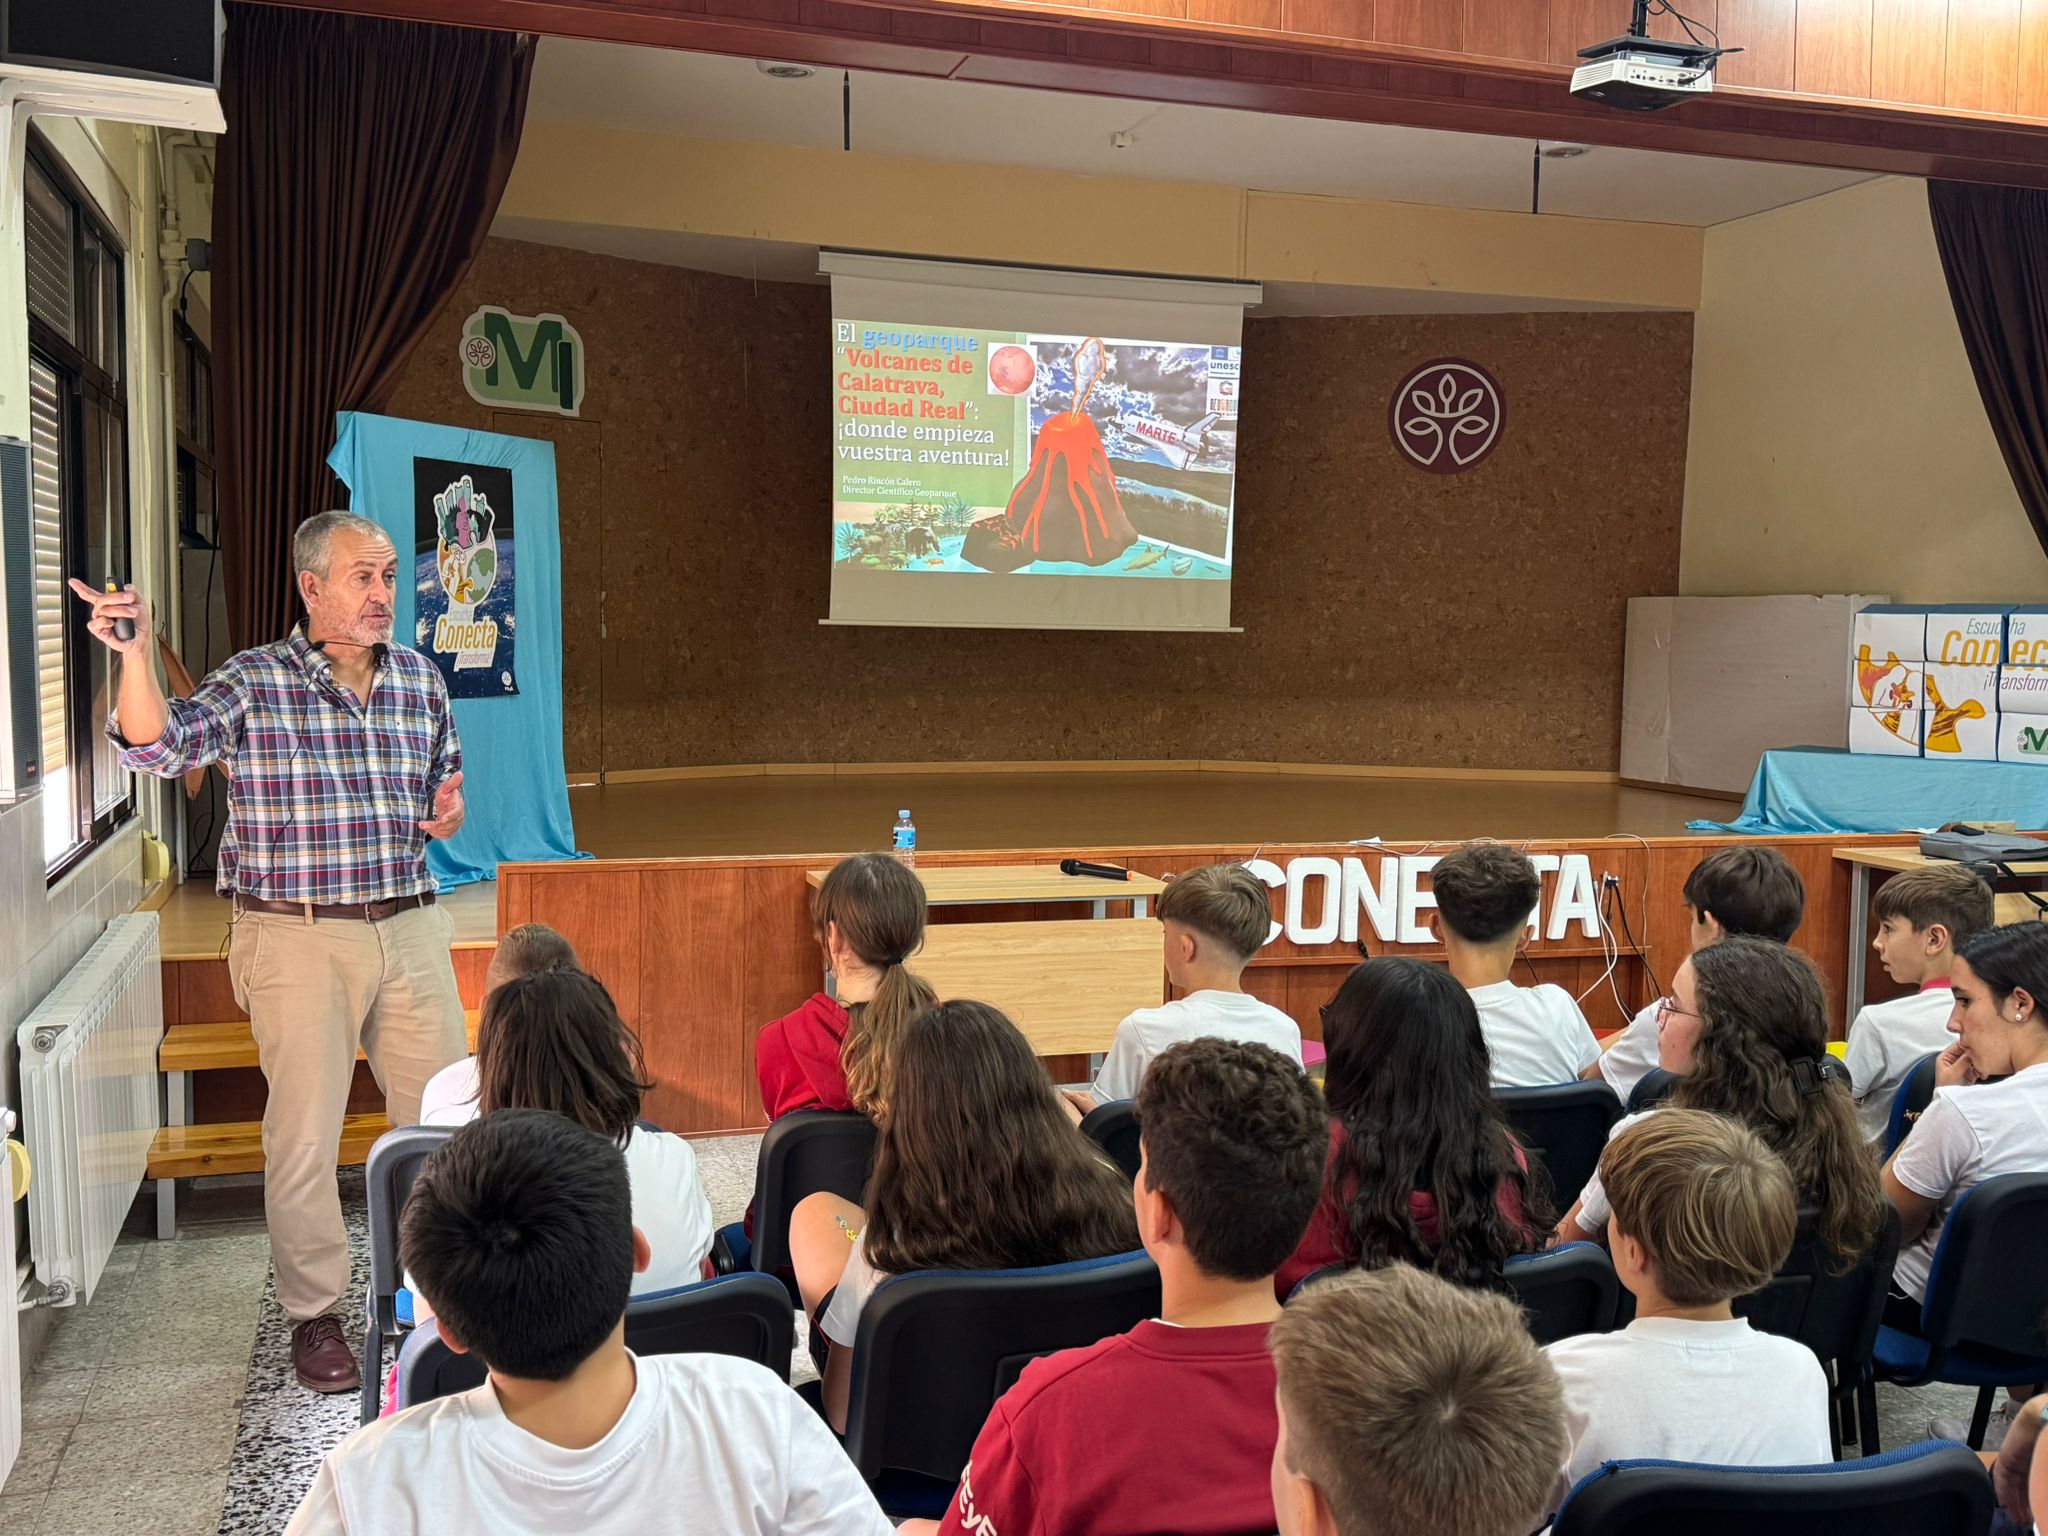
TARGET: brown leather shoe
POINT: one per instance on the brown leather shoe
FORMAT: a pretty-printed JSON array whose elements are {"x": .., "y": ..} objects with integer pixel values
[{"x": 321, "y": 1356}]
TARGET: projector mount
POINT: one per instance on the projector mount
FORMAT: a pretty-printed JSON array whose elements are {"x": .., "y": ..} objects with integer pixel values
[{"x": 1640, "y": 73}]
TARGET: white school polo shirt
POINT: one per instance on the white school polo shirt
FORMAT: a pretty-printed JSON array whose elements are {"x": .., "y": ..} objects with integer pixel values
[
  {"x": 1970, "y": 1133},
  {"x": 1535, "y": 1036}
]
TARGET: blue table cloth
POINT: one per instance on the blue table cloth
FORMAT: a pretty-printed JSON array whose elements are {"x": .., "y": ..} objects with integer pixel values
[{"x": 1826, "y": 790}]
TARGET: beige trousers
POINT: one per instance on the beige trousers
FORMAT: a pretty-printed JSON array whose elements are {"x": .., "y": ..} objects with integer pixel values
[{"x": 315, "y": 992}]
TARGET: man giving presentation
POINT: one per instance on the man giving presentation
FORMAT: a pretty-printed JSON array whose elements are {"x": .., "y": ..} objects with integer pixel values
[{"x": 342, "y": 751}]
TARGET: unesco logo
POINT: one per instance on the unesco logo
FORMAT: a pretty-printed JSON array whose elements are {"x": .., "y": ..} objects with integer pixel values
[{"x": 1447, "y": 416}]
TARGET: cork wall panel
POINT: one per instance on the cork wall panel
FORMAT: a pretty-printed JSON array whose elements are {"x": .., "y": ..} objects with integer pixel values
[{"x": 1389, "y": 616}]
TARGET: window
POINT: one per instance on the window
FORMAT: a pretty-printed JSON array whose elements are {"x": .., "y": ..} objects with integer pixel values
[{"x": 78, "y": 461}]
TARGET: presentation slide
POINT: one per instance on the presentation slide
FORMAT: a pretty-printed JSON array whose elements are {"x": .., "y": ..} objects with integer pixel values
[
  {"x": 1050, "y": 455},
  {"x": 1034, "y": 476}
]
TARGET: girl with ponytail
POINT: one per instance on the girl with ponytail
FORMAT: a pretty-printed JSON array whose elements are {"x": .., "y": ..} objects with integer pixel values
[{"x": 834, "y": 1053}]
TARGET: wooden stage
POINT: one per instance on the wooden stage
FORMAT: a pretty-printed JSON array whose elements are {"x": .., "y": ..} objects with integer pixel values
[{"x": 696, "y": 911}]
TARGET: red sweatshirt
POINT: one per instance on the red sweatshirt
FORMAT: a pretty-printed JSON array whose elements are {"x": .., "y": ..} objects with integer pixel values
[
  {"x": 1327, "y": 1241},
  {"x": 1080, "y": 1446},
  {"x": 797, "y": 1059}
]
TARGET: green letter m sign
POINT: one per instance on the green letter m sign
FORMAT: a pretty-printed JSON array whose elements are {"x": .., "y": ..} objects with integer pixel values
[{"x": 522, "y": 362}]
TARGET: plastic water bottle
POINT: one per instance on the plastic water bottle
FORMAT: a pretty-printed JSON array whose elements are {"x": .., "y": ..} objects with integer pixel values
[{"x": 903, "y": 838}]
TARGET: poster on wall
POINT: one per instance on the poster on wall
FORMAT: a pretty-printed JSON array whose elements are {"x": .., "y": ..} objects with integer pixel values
[{"x": 464, "y": 575}]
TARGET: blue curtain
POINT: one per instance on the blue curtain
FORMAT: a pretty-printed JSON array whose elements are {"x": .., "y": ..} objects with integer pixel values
[{"x": 513, "y": 776}]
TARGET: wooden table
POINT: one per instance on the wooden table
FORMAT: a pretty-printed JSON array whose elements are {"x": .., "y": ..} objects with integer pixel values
[
  {"x": 993, "y": 884},
  {"x": 1066, "y": 984},
  {"x": 1862, "y": 861}
]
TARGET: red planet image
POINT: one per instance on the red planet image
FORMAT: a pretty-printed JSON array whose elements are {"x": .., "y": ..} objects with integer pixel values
[{"x": 1010, "y": 370}]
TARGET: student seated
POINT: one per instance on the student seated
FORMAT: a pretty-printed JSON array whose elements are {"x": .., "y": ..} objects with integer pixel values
[
  {"x": 832, "y": 1053},
  {"x": 1990, "y": 1110},
  {"x": 554, "y": 1040},
  {"x": 977, "y": 1166},
  {"x": 1746, "y": 1029},
  {"x": 1214, "y": 919},
  {"x": 1703, "y": 1212},
  {"x": 1745, "y": 890},
  {"x": 1922, "y": 915},
  {"x": 1086, "y": 1443},
  {"x": 521, "y": 1230},
  {"x": 1411, "y": 1407},
  {"x": 1485, "y": 892},
  {"x": 1422, "y": 1168},
  {"x": 450, "y": 1095}
]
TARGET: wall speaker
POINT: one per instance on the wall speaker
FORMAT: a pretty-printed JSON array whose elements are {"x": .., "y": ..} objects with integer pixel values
[{"x": 171, "y": 40}]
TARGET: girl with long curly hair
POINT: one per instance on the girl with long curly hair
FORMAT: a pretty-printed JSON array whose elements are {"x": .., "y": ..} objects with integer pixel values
[
  {"x": 1423, "y": 1169},
  {"x": 1745, "y": 1031},
  {"x": 977, "y": 1166}
]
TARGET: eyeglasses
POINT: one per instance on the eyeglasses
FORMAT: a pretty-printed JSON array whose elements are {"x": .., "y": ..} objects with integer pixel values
[{"x": 1667, "y": 1006}]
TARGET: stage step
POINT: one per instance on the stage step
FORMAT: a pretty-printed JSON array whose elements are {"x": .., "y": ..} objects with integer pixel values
[
  {"x": 195, "y": 1151},
  {"x": 211, "y": 1047}
]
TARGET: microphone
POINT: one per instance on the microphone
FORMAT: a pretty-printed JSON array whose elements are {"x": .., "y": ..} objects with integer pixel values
[{"x": 1099, "y": 871}]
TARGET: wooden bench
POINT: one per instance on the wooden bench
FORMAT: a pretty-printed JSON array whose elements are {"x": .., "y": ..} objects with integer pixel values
[
  {"x": 182, "y": 1150},
  {"x": 236, "y": 1146}
]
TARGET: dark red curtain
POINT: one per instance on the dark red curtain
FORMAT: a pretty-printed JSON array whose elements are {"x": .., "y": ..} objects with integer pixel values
[
  {"x": 1994, "y": 250},
  {"x": 363, "y": 163}
]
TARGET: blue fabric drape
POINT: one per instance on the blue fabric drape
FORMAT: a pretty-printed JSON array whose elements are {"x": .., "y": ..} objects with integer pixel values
[{"x": 513, "y": 776}]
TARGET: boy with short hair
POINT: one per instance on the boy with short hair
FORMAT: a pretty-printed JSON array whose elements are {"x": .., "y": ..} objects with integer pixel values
[
  {"x": 1922, "y": 915},
  {"x": 1701, "y": 1212},
  {"x": 1170, "y": 1427},
  {"x": 1214, "y": 919},
  {"x": 1408, "y": 1404},
  {"x": 520, "y": 1230},
  {"x": 1485, "y": 892},
  {"x": 1746, "y": 889}
]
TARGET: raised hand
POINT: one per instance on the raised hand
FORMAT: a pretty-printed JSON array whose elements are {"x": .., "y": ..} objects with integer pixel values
[
  {"x": 448, "y": 809},
  {"x": 109, "y": 606}
]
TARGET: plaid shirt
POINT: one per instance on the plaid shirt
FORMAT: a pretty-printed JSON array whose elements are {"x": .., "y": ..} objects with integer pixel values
[{"x": 325, "y": 796}]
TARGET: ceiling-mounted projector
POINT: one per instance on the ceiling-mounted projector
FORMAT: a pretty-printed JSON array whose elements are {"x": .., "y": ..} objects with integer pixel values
[
  {"x": 1643, "y": 74},
  {"x": 1640, "y": 73}
]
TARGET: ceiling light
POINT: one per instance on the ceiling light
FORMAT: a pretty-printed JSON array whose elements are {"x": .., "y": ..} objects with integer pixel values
[
  {"x": 784, "y": 71},
  {"x": 1563, "y": 151}
]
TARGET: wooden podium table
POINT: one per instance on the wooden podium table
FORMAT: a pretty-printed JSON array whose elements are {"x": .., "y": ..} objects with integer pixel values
[
  {"x": 2012, "y": 907},
  {"x": 994, "y": 884},
  {"x": 1066, "y": 983}
]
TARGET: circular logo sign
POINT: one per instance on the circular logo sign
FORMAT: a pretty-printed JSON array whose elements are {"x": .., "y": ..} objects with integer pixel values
[
  {"x": 1447, "y": 415},
  {"x": 478, "y": 352}
]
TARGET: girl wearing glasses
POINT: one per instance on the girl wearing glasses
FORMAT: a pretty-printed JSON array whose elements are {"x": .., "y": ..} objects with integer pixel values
[{"x": 1745, "y": 1031}]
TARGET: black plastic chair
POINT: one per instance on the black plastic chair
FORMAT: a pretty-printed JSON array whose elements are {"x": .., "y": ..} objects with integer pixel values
[
  {"x": 802, "y": 1153},
  {"x": 1835, "y": 1315},
  {"x": 934, "y": 1350},
  {"x": 1935, "y": 1488},
  {"x": 1563, "y": 1126},
  {"x": 1981, "y": 1319},
  {"x": 1114, "y": 1128},
  {"x": 394, "y": 1162},
  {"x": 1566, "y": 1291},
  {"x": 1651, "y": 1089},
  {"x": 743, "y": 1315},
  {"x": 1916, "y": 1092}
]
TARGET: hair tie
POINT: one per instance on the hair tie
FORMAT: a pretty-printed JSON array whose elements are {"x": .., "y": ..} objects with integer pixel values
[
  {"x": 894, "y": 960},
  {"x": 1807, "y": 1076}
]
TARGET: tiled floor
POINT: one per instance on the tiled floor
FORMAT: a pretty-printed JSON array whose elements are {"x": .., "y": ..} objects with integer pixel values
[
  {"x": 131, "y": 1412},
  {"x": 129, "y": 1416}
]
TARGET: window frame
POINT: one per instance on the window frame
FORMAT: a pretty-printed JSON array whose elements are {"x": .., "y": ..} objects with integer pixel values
[{"x": 81, "y": 379}]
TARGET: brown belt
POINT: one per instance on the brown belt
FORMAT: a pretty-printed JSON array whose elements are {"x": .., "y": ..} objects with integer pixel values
[{"x": 361, "y": 911}]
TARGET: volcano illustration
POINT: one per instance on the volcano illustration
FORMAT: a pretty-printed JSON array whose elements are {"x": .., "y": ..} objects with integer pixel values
[{"x": 1066, "y": 507}]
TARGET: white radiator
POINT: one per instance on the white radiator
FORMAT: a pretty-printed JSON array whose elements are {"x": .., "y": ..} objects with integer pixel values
[{"x": 89, "y": 1103}]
